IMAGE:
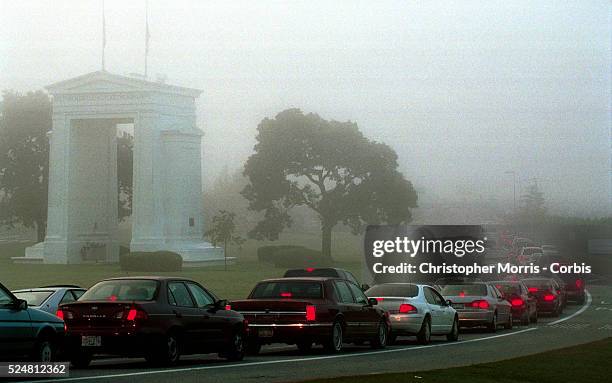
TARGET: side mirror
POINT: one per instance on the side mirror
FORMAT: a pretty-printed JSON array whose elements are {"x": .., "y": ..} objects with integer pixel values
[
  {"x": 372, "y": 301},
  {"x": 20, "y": 304},
  {"x": 449, "y": 302},
  {"x": 220, "y": 304},
  {"x": 365, "y": 287}
]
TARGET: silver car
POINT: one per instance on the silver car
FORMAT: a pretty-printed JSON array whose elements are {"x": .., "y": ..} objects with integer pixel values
[
  {"x": 49, "y": 298},
  {"x": 416, "y": 309}
]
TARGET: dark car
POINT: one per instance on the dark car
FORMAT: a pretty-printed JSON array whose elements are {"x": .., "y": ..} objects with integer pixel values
[
  {"x": 479, "y": 304},
  {"x": 303, "y": 311},
  {"x": 574, "y": 287},
  {"x": 159, "y": 318},
  {"x": 27, "y": 332},
  {"x": 524, "y": 305},
  {"x": 324, "y": 272},
  {"x": 548, "y": 295}
]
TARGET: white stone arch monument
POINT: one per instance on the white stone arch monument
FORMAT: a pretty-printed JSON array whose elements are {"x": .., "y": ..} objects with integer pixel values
[{"x": 167, "y": 192}]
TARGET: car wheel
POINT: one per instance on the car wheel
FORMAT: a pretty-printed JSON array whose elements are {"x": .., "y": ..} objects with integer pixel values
[
  {"x": 454, "y": 334},
  {"x": 80, "y": 359},
  {"x": 235, "y": 349},
  {"x": 424, "y": 335},
  {"x": 304, "y": 346},
  {"x": 380, "y": 340},
  {"x": 492, "y": 327},
  {"x": 168, "y": 352},
  {"x": 253, "y": 346},
  {"x": 335, "y": 342},
  {"x": 509, "y": 323},
  {"x": 44, "y": 351}
]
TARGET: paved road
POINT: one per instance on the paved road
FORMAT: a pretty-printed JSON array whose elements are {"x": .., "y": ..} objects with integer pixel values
[{"x": 579, "y": 324}]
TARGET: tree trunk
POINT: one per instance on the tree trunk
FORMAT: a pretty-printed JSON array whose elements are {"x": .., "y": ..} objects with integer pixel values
[{"x": 326, "y": 240}]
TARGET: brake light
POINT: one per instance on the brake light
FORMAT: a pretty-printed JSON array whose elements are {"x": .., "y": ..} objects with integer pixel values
[
  {"x": 380, "y": 299},
  {"x": 517, "y": 302},
  {"x": 480, "y": 304},
  {"x": 533, "y": 289},
  {"x": 579, "y": 283},
  {"x": 228, "y": 307},
  {"x": 311, "y": 313},
  {"x": 63, "y": 315},
  {"x": 134, "y": 314},
  {"x": 549, "y": 297},
  {"x": 285, "y": 294},
  {"x": 112, "y": 298},
  {"x": 406, "y": 308},
  {"x": 310, "y": 269},
  {"x": 60, "y": 314},
  {"x": 461, "y": 294}
]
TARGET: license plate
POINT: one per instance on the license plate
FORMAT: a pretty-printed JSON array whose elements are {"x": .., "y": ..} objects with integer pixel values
[
  {"x": 265, "y": 332},
  {"x": 91, "y": 341},
  {"x": 458, "y": 305}
]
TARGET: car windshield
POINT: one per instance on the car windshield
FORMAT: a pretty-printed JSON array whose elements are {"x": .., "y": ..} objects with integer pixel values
[
  {"x": 312, "y": 272},
  {"x": 34, "y": 298},
  {"x": 122, "y": 290},
  {"x": 393, "y": 290},
  {"x": 508, "y": 289},
  {"x": 288, "y": 289},
  {"x": 465, "y": 289}
]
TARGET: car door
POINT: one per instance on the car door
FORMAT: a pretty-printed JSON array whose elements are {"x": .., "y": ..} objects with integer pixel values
[
  {"x": 503, "y": 306},
  {"x": 186, "y": 312},
  {"x": 368, "y": 315},
  {"x": 348, "y": 307},
  {"x": 212, "y": 322},
  {"x": 16, "y": 333},
  {"x": 437, "y": 314},
  {"x": 444, "y": 313}
]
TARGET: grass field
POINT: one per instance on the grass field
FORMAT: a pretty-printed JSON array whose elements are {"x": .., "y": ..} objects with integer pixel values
[
  {"x": 234, "y": 283},
  {"x": 585, "y": 363}
]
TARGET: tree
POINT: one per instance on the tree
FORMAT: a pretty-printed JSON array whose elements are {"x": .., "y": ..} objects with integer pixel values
[
  {"x": 533, "y": 203},
  {"x": 24, "y": 159},
  {"x": 125, "y": 161},
  {"x": 329, "y": 167},
  {"x": 223, "y": 231}
]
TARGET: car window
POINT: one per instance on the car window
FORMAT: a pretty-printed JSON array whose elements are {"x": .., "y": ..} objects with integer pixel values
[
  {"x": 437, "y": 297},
  {"x": 5, "y": 299},
  {"x": 34, "y": 298},
  {"x": 407, "y": 290},
  {"x": 201, "y": 297},
  {"x": 465, "y": 289},
  {"x": 68, "y": 297},
  {"x": 178, "y": 291},
  {"x": 78, "y": 293},
  {"x": 288, "y": 289},
  {"x": 343, "y": 292},
  {"x": 351, "y": 277},
  {"x": 358, "y": 294},
  {"x": 122, "y": 290}
]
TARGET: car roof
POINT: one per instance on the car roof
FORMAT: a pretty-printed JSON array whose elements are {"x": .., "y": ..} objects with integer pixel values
[
  {"x": 298, "y": 279},
  {"x": 61, "y": 286},
  {"x": 149, "y": 277}
]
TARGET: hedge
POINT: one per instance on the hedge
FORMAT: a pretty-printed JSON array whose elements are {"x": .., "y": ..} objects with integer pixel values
[{"x": 151, "y": 261}]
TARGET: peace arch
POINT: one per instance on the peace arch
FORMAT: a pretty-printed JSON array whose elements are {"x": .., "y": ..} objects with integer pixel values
[{"x": 167, "y": 214}]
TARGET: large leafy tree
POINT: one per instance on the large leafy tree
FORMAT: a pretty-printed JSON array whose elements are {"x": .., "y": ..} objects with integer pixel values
[
  {"x": 25, "y": 120},
  {"x": 329, "y": 167}
]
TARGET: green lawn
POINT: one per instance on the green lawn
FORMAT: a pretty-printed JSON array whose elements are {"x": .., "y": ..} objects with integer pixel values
[
  {"x": 585, "y": 363},
  {"x": 234, "y": 283}
]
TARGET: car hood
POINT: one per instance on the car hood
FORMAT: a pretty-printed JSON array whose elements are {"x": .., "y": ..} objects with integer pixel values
[{"x": 42, "y": 316}]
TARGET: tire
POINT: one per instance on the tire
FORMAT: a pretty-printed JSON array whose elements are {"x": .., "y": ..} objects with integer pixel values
[
  {"x": 81, "y": 359},
  {"x": 391, "y": 339},
  {"x": 453, "y": 336},
  {"x": 381, "y": 338},
  {"x": 335, "y": 342},
  {"x": 44, "y": 351},
  {"x": 581, "y": 300},
  {"x": 167, "y": 352},
  {"x": 304, "y": 346},
  {"x": 424, "y": 335},
  {"x": 508, "y": 325},
  {"x": 253, "y": 347},
  {"x": 492, "y": 327},
  {"x": 236, "y": 348}
]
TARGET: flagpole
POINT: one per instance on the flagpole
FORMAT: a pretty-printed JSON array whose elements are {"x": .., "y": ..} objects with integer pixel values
[{"x": 103, "y": 35}]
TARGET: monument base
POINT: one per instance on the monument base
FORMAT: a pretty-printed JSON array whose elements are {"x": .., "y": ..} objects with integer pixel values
[{"x": 194, "y": 253}]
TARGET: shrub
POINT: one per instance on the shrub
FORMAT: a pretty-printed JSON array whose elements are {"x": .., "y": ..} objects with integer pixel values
[
  {"x": 267, "y": 254},
  {"x": 288, "y": 256},
  {"x": 151, "y": 261}
]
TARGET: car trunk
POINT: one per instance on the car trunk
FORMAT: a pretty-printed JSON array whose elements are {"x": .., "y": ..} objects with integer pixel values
[
  {"x": 273, "y": 311},
  {"x": 96, "y": 315},
  {"x": 463, "y": 302},
  {"x": 391, "y": 304}
]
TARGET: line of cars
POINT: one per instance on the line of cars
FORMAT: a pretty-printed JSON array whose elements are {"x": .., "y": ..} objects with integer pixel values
[{"x": 162, "y": 318}]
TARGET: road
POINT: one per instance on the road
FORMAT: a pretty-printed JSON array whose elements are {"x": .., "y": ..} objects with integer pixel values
[{"x": 579, "y": 324}]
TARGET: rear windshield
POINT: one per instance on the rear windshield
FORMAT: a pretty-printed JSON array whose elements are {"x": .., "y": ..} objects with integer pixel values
[
  {"x": 466, "y": 289},
  {"x": 288, "y": 289},
  {"x": 508, "y": 289},
  {"x": 393, "y": 290},
  {"x": 34, "y": 298},
  {"x": 311, "y": 273},
  {"x": 539, "y": 283},
  {"x": 122, "y": 290}
]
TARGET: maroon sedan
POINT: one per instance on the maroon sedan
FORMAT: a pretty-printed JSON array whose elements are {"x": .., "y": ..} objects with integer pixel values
[
  {"x": 548, "y": 294},
  {"x": 524, "y": 306},
  {"x": 158, "y": 318},
  {"x": 302, "y": 311}
]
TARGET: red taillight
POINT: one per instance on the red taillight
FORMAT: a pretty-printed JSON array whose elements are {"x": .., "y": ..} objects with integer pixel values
[
  {"x": 134, "y": 314},
  {"x": 310, "y": 269},
  {"x": 461, "y": 294},
  {"x": 549, "y": 297},
  {"x": 112, "y": 298},
  {"x": 63, "y": 315},
  {"x": 406, "y": 308},
  {"x": 533, "y": 289},
  {"x": 380, "y": 299},
  {"x": 480, "y": 304},
  {"x": 285, "y": 294},
  {"x": 311, "y": 313},
  {"x": 579, "y": 283},
  {"x": 60, "y": 314},
  {"x": 517, "y": 302},
  {"x": 228, "y": 307}
]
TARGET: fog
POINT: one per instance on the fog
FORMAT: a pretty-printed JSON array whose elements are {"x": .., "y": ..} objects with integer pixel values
[{"x": 463, "y": 91}]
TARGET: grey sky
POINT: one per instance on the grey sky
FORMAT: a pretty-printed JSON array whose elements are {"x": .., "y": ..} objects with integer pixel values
[{"x": 464, "y": 91}]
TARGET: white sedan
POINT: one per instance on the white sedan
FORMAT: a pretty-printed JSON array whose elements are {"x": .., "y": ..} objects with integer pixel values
[{"x": 416, "y": 309}]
